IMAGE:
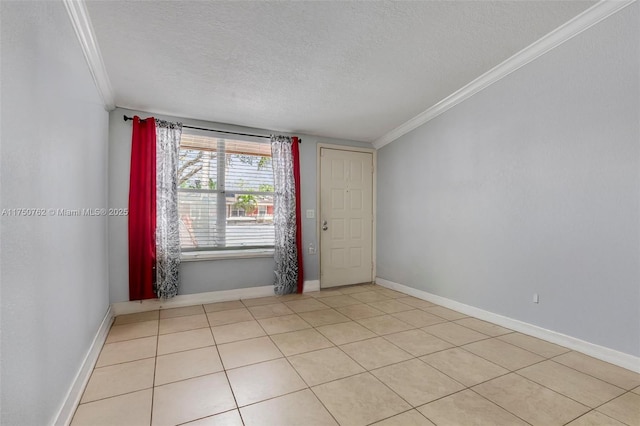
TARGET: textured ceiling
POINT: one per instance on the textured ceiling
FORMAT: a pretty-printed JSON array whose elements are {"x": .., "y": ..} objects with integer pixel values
[{"x": 350, "y": 70}]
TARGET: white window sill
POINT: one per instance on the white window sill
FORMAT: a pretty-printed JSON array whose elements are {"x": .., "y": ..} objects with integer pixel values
[{"x": 193, "y": 256}]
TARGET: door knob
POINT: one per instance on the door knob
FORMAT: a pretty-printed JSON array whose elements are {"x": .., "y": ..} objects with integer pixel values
[{"x": 324, "y": 225}]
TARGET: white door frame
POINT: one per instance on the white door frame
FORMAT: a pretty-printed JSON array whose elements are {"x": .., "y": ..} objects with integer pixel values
[{"x": 372, "y": 151}]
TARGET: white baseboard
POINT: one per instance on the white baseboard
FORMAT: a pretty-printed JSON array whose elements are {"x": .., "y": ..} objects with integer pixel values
[
  {"x": 311, "y": 285},
  {"x": 603, "y": 353},
  {"x": 72, "y": 399},
  {"x": 121, "y": 308}
]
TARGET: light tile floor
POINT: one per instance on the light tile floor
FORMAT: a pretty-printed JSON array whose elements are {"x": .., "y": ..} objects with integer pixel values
[{"x": 353, "y": 356}]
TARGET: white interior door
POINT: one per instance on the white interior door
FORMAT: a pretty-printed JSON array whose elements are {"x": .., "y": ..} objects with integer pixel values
[{"x": 346, "y": 217}]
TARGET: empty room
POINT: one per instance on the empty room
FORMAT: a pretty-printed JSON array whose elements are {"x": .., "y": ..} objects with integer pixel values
[{"x": 287, "y": 213}]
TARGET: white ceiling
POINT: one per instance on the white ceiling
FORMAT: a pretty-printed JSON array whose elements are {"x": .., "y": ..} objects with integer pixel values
[{"x": 349, "y": 70}]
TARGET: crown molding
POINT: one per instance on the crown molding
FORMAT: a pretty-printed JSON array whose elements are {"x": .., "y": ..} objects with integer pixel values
[
  {"x": 77, "y": 11},
  {"x": 555, "y": 38}
]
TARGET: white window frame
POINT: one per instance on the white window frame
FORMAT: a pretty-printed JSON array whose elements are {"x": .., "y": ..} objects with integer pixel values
[{"x": 211, "y": 253}]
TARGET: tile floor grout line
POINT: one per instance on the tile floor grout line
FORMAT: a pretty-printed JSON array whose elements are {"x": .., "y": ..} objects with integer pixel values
[
  {"x": 323, "y": 405},
  {"x": 481, "y": 396},
  {"x": 115, "y": 396},
  {"x": 465, "y": 387},
  {"x": 252, "y": 338},
  {"x": 580, "y": 416},
  {"x": 153, "y": 383},
  {"x": 301, "y": 378},
  {"x": 348, "y": 356},
  {"x": 224, "y": 370},
  {"x": 417, "y": 356},
  {"x": 605, "y": 403},
  {"x": 552, "y": 390},
  {"x": 536, "y": 338},
  {"x": 498, "y": 405},
  {"x": 273, "y": 397},
  {"x": 563, "y": 394},
  {"x": 389, "y": 387},
  {"x": 115, "y": 324},
  {"x": 123, "y": 362},
  {"x": 128, "y": 340},
  {"x": 180, "y": 331},
  {"x": 189, "y": 378},
  {"x": 187, "y": 350},
  {"x": 494, "y": 362},
  {"x": 510, "y": 344},
  {"x": 494, "y": 402},
  {"x": 490, "y": 323},
  {"x": 453, "y": 343},
  {"x": 181, "y": 315},
  {"x": 376, "y": 368},
  {"x": 599, "y": 412},
  {"x": 271, "y": 340},
  {"x": 475, "y": 384},
  {"x": 206, "y": 417},
  {"x": 398, "y": 414},
  {"x": 336, "y": 380},
  {"x": 94, "y": 369},
  {"x": 338, "y": 310},
  {"x": 589, "y": 374},
  {"x": 432, "y": 366},
  {"x": 525, "y": 378},
  {"x": 239, "y": 340},
  {"x": 412, "y": 327},
  {"x": 366, "y": 370},
  {"x": 306, "y": 351},
  {"x": 163, "y": 334}
]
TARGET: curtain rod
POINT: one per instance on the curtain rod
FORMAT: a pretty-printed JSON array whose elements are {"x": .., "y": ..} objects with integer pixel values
[{"x": 214, "y": 130}]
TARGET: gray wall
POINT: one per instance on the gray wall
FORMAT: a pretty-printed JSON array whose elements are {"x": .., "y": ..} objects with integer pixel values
[
  {"x": 203, "y": 276},
  {"x": 530, "y": 186},
  {"x": 53, "y": 155}
]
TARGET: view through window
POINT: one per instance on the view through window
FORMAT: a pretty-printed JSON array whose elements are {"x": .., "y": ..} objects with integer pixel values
[{"x": 225, "y": 193}]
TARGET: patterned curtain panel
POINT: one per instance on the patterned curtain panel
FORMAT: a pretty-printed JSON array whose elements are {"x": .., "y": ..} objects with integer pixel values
[
  {"x": 167, "y": 220},
  {"x": 284, "y": 216}
]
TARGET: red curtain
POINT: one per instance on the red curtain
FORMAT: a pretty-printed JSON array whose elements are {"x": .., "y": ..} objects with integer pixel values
[
  {"x": 295, "y": 149},
  {"x": 142, "y": 209}
]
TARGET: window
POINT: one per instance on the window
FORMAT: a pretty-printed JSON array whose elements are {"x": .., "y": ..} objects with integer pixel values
[{"x": 225, "y": 194}]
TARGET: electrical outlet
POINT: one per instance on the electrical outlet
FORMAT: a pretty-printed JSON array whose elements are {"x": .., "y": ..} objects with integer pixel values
[{"x": 311, "y": 214}]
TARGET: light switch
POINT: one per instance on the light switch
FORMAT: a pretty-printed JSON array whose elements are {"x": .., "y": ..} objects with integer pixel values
[{"x": 311, "y": 214}]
